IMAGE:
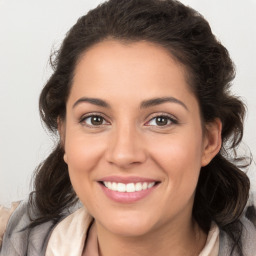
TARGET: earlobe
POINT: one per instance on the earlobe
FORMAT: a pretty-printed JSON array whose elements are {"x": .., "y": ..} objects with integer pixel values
[
  {"x": 65, "y": 158},
  {"x": 212, "y": 141}
]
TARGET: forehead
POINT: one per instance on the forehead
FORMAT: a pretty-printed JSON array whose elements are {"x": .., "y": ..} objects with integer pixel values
[
  {"x": 137, "y": 70},
  {"x": 128, "y": 53}
]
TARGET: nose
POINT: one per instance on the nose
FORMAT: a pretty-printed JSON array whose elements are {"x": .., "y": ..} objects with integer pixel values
[{"x": 126, "y": 147}]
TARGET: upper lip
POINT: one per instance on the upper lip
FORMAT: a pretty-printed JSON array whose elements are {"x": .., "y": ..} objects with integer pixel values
[{"x": 126, "y": 180}]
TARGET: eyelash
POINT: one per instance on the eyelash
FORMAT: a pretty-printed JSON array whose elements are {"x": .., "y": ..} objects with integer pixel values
[
  {"x": 171, "y": 120},
  {"x": 91, "y": 115}
]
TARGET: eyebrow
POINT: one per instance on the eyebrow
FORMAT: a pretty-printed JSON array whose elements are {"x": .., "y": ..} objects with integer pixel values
[
  {"x": 158, "y": 101},
  {"x": 144, "y": 104},
  {"x": 94, "y": 101}
]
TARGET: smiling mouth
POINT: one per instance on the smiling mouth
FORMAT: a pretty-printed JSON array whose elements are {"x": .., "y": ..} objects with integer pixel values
[{"x": 129, "y": 187}]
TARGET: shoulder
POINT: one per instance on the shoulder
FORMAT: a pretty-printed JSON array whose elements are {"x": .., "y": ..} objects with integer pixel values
[
  {"x": 5, "y": 214},
  {"x": 248, "y": 236},
  {"x": 16, "y": 234},
  {"x": 248, "y": 239},
  {"x": 19, "y": 239}
]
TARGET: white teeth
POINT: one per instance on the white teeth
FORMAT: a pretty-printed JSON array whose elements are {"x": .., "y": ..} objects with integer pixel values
[
  {"x": 130, "y": 187},
  {"x": 109, "y": 184},
  {"x": 121, "y": 187},
  {"x": 150, "y": 185},
  {"x": 144, "y": 185},
  {"x": 114, "y": 186},
  {"x": 138, "y": 186}
]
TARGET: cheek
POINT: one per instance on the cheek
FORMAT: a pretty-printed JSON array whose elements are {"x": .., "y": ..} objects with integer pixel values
[
  {"x": 179, "y": 157},
  {"x": 82, "y": 151},
  {"x": 177, "y": 150},
  {"x": 82, "y": 155}
]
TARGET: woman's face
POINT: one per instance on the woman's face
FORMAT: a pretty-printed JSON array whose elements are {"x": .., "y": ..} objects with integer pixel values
[{"x": 133, "y": 138}]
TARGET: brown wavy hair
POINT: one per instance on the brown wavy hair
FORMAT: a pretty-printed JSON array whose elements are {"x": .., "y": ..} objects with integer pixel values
[{"x": 222, "y": 189}]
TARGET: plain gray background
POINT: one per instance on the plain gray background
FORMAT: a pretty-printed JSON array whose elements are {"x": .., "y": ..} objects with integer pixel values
[{"x": 30, "y": 30}]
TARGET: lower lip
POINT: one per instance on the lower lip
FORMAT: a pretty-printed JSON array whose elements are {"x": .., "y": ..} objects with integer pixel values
[{"x": 127, "y": 197}]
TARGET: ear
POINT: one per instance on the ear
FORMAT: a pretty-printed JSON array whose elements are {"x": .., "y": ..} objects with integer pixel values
[
  {"x": 62, "y": 132},
  {"x": 212, "y": 141}
]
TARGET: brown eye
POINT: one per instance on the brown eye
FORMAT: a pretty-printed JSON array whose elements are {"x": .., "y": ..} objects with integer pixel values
[
  {"x": 93, "y": 120},
  {"x": 97, "y": 120},
  {"x": 162, "y": 120}
]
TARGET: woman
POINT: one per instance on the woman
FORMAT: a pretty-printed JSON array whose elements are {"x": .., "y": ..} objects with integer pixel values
[{"x": 140, "y": 100}]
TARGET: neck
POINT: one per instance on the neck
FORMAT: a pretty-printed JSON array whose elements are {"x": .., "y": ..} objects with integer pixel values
[{"x": 187, "y": 239}]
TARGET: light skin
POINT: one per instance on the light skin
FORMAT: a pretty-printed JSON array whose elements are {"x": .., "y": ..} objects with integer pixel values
[{"x": 118, "y": 84}]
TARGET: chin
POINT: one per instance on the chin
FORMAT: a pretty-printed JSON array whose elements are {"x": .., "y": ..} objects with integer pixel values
[
  {"x": 129, "y": 230},
  {"x": 128, "y": 225}
]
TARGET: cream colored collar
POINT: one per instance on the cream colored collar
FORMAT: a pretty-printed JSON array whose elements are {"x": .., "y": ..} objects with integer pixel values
[
  {"x": 70, "y": 234},
  {"x": 212, "y": 244}
]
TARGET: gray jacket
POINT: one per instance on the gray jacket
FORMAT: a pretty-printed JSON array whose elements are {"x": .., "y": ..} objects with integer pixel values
[{"x": 19, "y": 241}]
